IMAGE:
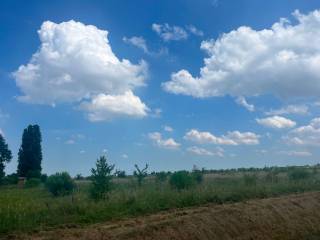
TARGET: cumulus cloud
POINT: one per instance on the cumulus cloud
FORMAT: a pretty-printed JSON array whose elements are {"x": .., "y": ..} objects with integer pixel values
[
  {"x": 105, "y": 107},
  {"x": 305, "y": 135},
  {"x": 243, "y": 102},
  {"x": 158, "y": 140},
  {"x": 170, "y": 33},
  {"x": 283, "y": 61},
  {"x": 204, "y": 152},
  {"x": 75, "y": 62},
  {"x": 139, "y": 42},
  {"x": 276, "y": 122},
  {"x": 290, "y": 109},
  {"x": 231, "y": 138}
]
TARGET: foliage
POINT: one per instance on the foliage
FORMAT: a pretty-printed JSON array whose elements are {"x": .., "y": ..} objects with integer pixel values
[
  {"x": 161, "y": 177},
  {"x": 60, "y": 184},
  {"x": 298, "y": 174},
  {"x": 250, "y": 179},
  {"x": 121, "y": 174},
  {"x": 43, "y": 178},
  {"x": 101, "y": 179},
  {"x": 32, "y": 182},
  {"x": 11, "y": 179},
  {"x": 181, "y": 180},
  {"x": 140, "y": 173},
  {"x": 197, "y": 176},
  {"x": 30, "y": 153},
  {"x": 79, "y": 177},
  {"x": 5, "y": 156}
]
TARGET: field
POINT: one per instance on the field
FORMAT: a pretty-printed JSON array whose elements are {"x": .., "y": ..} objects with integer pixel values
[{"x": 30, "y": 210}]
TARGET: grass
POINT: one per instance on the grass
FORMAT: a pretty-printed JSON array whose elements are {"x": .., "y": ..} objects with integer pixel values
[{"x": 33, "y": 209}]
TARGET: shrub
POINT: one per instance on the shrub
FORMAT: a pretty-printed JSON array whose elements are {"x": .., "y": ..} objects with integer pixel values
[
  {"x": 140, "y": 173},
  {"x": 197, "y": 176},
  {"x": 250, "y": 179},
  {"x": 11, "y": 179},
  {"x": 34, "y": 174},
  {"x": 32, "y": 182},
  {"x": 44, "y": 178},
  {"x": 101, "y": 179},
  {"x": 60, "y": 184},
  {"x": 181, "y": 180},
  {"x": 161, "y": 176},
  {"x": 298, "y": 174}
]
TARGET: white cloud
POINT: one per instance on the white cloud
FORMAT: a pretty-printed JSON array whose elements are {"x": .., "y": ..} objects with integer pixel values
[
  {"x": 139, "y": 42},
  {"x": 169, "y": 33},
  {"x": 105, "y": 150},
  {"x": 70, "y": 142},
  {"x": 124, "y": 156},
  {"x": 276, "y": 122},
  {"x": 290, "y": 109},
  {"x": 296, "y": 153},
  {"x": 167, "y": 128},
  {"x": 105, "y": 107},
  {"x": 204, "y": 152},
  {"x": 192, "y": 29},
  {"x": 283, "y": 61},
  {"x": 169, "y": 143},
  {"x": 75, "y": 62},
  {"x": 82, "y": 152},
  {"x": 231, "y": 138},
  {"x": 243, "y": 102},
  {"x": 305, "y": 135}
]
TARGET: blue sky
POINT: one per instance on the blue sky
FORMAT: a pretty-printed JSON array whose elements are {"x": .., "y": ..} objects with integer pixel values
[{"x": 218, "y": 84}]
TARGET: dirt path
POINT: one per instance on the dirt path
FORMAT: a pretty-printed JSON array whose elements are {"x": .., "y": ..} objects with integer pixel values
[{"x": 290, "y": 217}]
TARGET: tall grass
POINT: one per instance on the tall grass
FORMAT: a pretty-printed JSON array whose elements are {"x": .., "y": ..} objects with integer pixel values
[{"x": 31, "y": 209}]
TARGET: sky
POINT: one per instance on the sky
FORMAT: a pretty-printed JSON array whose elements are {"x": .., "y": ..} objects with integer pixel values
[{"x": 212, "y": 83}]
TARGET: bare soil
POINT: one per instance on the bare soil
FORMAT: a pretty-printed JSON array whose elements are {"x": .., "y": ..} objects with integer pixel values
[{"x": 289, "y": 217}]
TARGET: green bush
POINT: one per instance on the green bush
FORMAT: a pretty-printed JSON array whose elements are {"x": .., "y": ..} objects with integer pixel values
[
  {"x": 197, "y": 176},
  {"x": 101, "y": 179},
  {"x": 60, "y": 184},
  {"x": 43, "y": 178},
  {"x": 161, "y": 176},
  {"x": 32, "y": 182},
  {"x": 298, "y": 174},
  {"x": 181, "y": 180},
  {"x": 11, "y": 179}
]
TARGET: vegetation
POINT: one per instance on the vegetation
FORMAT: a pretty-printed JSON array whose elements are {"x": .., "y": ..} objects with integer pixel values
[
  {"x": 60, "y": 184},
  {"x": 30, "y": 153},
  {"x": 140, "y": 173},
  {"x": 181, "y": 180},
  {"x": 101, "y": 179},
  {"x": 5, "y": 156}
]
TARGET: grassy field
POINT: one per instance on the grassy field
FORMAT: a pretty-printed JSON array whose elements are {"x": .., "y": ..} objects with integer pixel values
[{"x": 33, "y": 209}]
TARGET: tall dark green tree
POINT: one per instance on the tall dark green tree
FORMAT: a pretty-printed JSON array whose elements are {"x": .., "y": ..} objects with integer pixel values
[
  {"x": 30, "y": 152},
  {"x": 5, "y": 156}
]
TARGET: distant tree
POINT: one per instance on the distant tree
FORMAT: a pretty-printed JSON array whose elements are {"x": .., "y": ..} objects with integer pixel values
[
  {"x": 101, "y": 179},
  {"x": 5, "y": 156},
  {"x": 140, "y": 173},
  {"x": 161, "y": 176},
  {"x": 30, "y": 153},
  {"x": 181, "y": 180},
  {"x": 121, "y": 174}
]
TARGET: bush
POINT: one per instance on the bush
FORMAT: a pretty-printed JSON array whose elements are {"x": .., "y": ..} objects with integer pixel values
[
  {"x": 181, "y": 180},
  {"x": 32, "y": 182},
  {"x": 60, "y": 184},
  {"x": 11, "y": 179},
  {"x": 101, "y": 179},
  {"x": 161, "y": 176},
  {"x": 34, "y": 174},
  {"x": 250, "y": 179},
  {"x": 298, "y": 174},
  {"x": 44, "y": 178},
  {"x": 197, "y": 176}
]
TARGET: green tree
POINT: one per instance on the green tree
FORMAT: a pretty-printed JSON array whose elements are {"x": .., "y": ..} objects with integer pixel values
[
  {"x": 140, "y": 173},
  {"x": 101, "y": 179},
  {"x": 30, "y": 153},
  {"x": 5, "y": 156},
  {"x": 60, "y": 184},
  {"x": 181, "y": 180}
]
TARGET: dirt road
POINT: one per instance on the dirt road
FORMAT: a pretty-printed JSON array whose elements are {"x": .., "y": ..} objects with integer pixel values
[{"x": 289, "y": 217}]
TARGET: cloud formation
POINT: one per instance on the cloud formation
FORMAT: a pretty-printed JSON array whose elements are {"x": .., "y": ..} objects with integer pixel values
[
  {"x": 231, "y": 138},
  {"x": 290, "y": 109},
  {"x": 139, "y": 42},
  {"x": 243, "y": 102},
  {"x": 158, "y": 140},
  {"x": 305, "y": 135},
  {"x": 204, "y": 152},
  {"x": 75, "y": 62},
  {"x": 276, "y": 122},
  {"x": 283, "y": 61}
]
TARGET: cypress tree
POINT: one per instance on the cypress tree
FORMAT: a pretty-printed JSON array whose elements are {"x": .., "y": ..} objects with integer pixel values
[
  {"x": 30, "y": 153},
  {"x": 5, "y": 156}
]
